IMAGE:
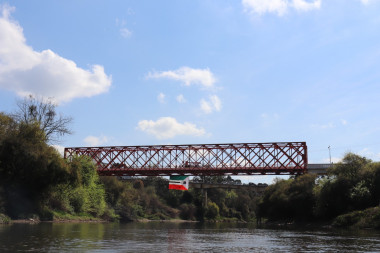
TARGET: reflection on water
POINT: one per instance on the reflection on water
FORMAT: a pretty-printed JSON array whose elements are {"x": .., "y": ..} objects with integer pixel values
[{"x": 178, "y": 237}]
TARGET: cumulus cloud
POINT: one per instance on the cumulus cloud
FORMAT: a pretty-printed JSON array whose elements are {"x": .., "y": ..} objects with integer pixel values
[
  {"x": 26, "y": 71},
  {"x": 279, "y": 7},
  {"x": 168, "y": 127},
  {"x": 213, "y": 104},
  {"x": 93, "y": 141},
  {"x": 181, "y": 99},
  {"x": 161, "y": 98},
  {"x": 187, "y": 76},
  {"x": 302, "y": 5}
]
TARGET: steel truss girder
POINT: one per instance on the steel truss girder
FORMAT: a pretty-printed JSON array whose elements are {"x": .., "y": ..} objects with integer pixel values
[{"x": 281, "y": 158}]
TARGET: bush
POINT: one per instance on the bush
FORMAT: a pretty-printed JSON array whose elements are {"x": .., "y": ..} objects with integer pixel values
[
  {"x": 212, "y": 211},
  {"x": 349, "y": 219},
  {"x": 368, "y": 218},
  {"x": 187, "y": 211}
]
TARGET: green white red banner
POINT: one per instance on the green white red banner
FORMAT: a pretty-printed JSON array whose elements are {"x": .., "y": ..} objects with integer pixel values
[{"x": 179, "y": 183}]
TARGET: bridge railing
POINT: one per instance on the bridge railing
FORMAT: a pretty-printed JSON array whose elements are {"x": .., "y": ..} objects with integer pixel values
[{"x": 202, "y": 159}]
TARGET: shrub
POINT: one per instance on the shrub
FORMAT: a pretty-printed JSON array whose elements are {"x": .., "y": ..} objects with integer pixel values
[
  {"x": 187, "y": 211},
  {"x": 212, "y": 211}
]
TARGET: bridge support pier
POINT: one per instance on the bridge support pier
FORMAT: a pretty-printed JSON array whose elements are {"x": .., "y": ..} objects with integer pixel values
[{"x": 204, "y": 193}]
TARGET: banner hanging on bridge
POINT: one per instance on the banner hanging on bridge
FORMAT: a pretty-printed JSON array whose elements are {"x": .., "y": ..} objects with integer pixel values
[{"x": 179, "y": 183}]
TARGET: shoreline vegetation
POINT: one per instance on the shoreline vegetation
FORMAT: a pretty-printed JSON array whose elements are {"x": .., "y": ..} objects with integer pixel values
[
  {"x": 37, "y": 184},
  {"x": 366, "y": 219}
]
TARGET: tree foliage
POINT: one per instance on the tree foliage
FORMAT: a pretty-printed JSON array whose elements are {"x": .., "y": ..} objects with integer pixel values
[
  {"x": 35, "y": 179},
  {"x": 353, "y": 184},
  {"x": 28, "y": 166}
]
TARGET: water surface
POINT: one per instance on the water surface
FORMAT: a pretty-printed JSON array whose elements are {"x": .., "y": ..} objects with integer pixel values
[{"x": 179, "y": 237}]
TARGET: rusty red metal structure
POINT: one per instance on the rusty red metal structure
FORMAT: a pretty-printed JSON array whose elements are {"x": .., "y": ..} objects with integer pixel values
[{"x": 282, "y": 158}]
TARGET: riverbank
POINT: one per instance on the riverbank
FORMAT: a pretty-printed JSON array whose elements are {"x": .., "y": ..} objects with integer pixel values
[
  {"x": 36, "y": 221},
  {"x": 361, "y": 219},
  {"x": 366, "y": 219},
  {"x": 4, "y": 219}
]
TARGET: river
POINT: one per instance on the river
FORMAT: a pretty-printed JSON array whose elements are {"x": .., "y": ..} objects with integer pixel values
[{"x": 179, "y": 237}]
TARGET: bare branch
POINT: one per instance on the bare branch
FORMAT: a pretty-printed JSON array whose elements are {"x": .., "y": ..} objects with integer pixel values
[{"x": 43, "y": 111}]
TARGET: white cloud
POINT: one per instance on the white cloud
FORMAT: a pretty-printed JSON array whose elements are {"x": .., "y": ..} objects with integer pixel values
[
  {"x": 343, "y": 121},
  {"x": 181, "y": 99},
  {"x": 161, "y": 98},
  {"x": 213, "y": 104},
  {"x": 60, "y": 149},
  {"x": 188, "y": 76},
  {"x": 302, "y": 5},
  {"x": 369, "y": 153},
  {"x": 263, "y": 6},
  {"x": 279, "y": 7},
  {"x": 26, "y": 71},
  {"x": 206, "y": 106},
  {"x": 168, "y": 127},
  {"x": 124, "y": 32},
  {"x": 217, "y": 104},
  {"x": 94, "y": 141}
]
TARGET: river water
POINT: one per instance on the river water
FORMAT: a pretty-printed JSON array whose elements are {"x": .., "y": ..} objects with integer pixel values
[{"x": 179, "y": 237}]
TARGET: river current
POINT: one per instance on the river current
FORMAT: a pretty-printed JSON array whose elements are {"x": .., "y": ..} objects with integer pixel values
[{"x": 179, "y": 237}]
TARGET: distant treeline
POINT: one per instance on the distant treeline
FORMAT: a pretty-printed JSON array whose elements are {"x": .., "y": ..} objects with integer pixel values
[{"x": 348, "y": 196}]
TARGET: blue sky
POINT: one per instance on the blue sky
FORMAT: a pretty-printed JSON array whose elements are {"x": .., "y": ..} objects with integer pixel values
[{"x": 191, "y": 72}]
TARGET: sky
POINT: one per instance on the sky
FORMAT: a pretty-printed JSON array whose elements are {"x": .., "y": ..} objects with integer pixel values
[{"x": 199, "y": 72}]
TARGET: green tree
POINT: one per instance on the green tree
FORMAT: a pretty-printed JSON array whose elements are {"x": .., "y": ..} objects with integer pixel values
[
  {"x": 370, "y": 174},
  {"x": 28, "y": 166},
  {"x": 35, "y": 179},
  {"x": 350, "y": 166},
  {"x": 291, "y": 199},
  {"x": 348, "y": 188}
]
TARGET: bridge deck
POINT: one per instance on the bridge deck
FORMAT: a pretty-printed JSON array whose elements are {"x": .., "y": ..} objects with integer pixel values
[
  {"x": 318, "y": 168},
  {"x": 282, "y": 158}
]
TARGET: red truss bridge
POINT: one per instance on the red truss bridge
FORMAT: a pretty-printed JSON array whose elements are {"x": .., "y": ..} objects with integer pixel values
[{"x": 281, "y": 158}]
